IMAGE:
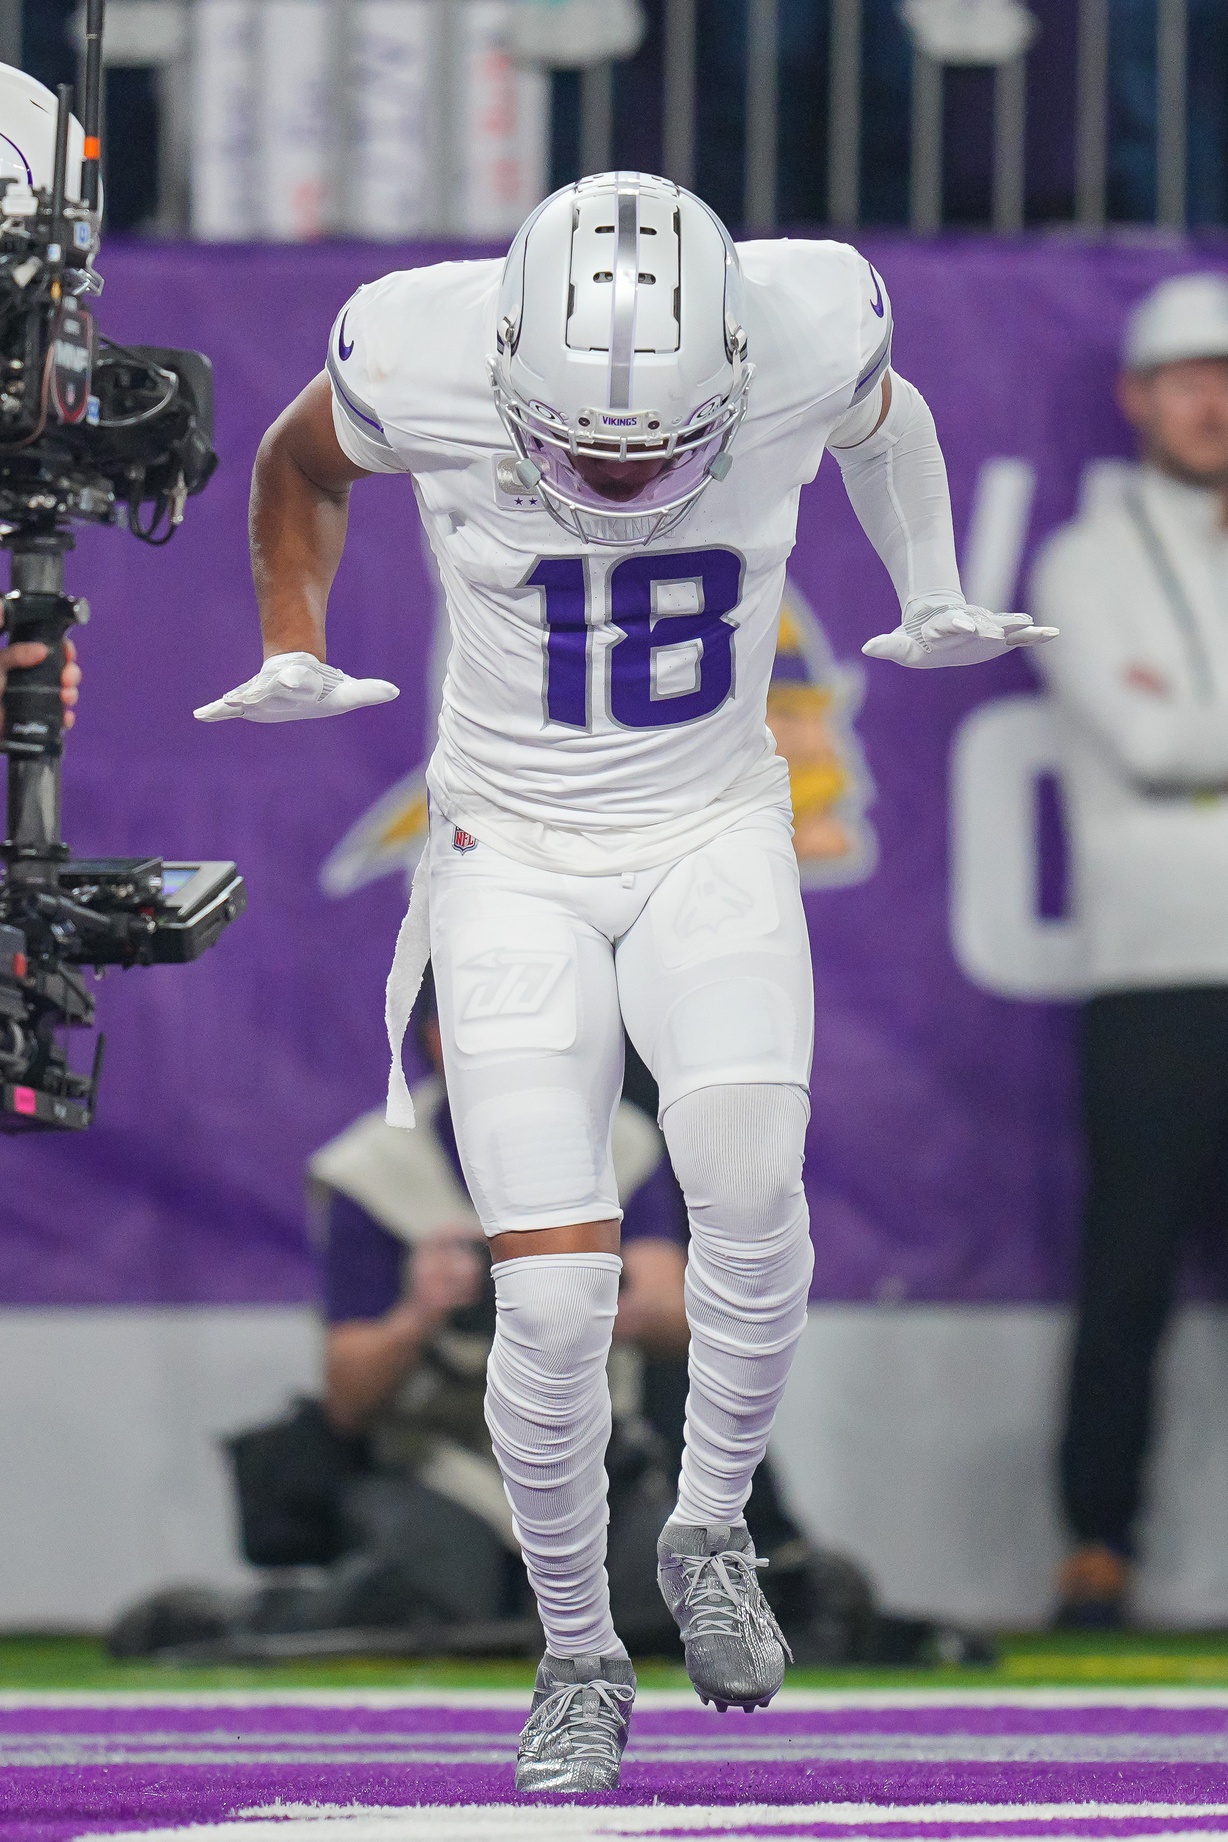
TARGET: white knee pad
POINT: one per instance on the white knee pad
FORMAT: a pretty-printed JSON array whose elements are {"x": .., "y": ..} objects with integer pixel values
[
  {"x": 737, "y": 1152},
  {"x": 548, "y": 1411}
]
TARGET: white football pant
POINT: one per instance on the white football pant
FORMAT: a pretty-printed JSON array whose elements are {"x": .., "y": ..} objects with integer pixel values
[{"x": 707, "y": 960}]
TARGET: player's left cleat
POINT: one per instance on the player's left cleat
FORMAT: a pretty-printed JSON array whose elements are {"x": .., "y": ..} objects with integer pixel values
[
  {"x": 574, "y": 1738},
  {"x": 709, "y": 1579}
]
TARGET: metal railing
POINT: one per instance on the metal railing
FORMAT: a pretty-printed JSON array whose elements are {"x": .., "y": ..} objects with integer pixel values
[
  {"x": 844, "y": 110},
  {"x": 844, "y": 119},
  {"x": 842, "y": 106}
]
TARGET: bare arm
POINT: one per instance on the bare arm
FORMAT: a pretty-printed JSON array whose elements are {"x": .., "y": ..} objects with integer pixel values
[
  {"x": 297, "y": 521},
  {"x": 365, "y": 1364}
]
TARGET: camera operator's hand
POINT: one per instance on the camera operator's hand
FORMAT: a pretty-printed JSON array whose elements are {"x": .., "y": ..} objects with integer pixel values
[
  {"x": 32, "y": 652},
  {"x": 445, "y": 1275},
  {"x": 292, "y": 686},
  {"x": 368, "y": 1361}
]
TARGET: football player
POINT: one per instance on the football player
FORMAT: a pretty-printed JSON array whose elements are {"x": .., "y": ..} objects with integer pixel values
[{"x": 607, "y": 435}]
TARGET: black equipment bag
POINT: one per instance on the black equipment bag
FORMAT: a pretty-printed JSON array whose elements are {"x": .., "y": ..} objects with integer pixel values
[{"x": 291, "y": 1479}]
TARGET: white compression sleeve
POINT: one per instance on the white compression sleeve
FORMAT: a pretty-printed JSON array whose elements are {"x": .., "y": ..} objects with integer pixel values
[
  {"x": 548, "y": 1411},
  {"x": 896, "y": 480},
  {"x": 737, "y": 1152}
]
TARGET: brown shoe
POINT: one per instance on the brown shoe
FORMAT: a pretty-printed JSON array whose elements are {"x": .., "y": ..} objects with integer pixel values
[{"x": 1092, "y": 1585}]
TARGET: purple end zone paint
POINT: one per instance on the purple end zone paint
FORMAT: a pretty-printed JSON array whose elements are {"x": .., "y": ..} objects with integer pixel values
[{"x": 79, "y": 1771}]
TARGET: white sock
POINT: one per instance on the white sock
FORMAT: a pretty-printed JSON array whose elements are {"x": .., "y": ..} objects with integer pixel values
[
  {"x": 737, "y": 1152},
  {"x": 548, "y": 1410}
]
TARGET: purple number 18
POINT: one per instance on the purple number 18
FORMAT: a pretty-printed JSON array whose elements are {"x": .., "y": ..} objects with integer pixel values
[{"x": 635, "y": 701}]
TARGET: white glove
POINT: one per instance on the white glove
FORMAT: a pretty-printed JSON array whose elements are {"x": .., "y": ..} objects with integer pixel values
[
  {"x": 292, "y": 686},
  {"x": 949, "y": 632}
]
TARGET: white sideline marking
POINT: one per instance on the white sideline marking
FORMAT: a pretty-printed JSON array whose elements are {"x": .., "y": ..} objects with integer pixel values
[
  {"x": 510, "y": 1823},
  {"x": 789, "y": 1701},
  {"x": 718, "y": 1816}
]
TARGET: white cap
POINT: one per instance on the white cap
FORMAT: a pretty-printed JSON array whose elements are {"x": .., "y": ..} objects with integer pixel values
[{"x": 1186, "y": 317}]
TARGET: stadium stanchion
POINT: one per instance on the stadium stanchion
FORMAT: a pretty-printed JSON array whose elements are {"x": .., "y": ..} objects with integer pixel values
[
  {"x": 925, "y": 179},
  {"x": 678, "y": 131},
  {"x": 762, "y": 114},
  {"x": 1172, "y": 58},
  {"x": 844, "y": 114},
  {"x": 1092, "y": 114},
  {"x": 1009, "y": 151},
  {"x": 597, "y": 117}
]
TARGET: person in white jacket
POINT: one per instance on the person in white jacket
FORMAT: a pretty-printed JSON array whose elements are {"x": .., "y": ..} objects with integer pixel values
[{"x": 1138, "y": 584}]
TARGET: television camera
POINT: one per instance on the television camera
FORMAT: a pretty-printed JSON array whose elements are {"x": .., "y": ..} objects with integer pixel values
[{"x": 107, "y": 434}]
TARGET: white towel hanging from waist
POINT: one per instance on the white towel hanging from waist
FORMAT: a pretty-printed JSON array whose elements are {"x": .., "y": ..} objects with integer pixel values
[{"x": 413, "y": 949}]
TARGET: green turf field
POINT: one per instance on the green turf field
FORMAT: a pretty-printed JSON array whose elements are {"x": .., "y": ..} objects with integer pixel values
[{"x": 1031, "y": 1660}]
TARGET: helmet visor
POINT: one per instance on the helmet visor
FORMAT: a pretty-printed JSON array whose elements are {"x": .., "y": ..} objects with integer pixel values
[{"x": 577, "y": 481}]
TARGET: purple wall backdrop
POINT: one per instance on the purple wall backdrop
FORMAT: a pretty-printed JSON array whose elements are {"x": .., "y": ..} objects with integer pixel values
[{"x": 944, "y": 1151}]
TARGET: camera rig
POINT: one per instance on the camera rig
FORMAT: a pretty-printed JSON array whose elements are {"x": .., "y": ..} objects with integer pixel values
[{"x": 107, "y": 434}]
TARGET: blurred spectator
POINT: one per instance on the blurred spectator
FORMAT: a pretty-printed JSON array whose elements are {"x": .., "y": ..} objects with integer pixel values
[{"x": 1138, "y": 585}]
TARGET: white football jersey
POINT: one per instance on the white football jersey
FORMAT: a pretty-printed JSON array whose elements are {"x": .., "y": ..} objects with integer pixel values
[{"x": 604, "y": 709}]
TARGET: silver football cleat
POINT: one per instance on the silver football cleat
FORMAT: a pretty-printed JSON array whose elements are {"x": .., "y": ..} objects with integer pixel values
[
  {"x": 709, "y": 1579},
  {"x": 574, "y": 1737}
]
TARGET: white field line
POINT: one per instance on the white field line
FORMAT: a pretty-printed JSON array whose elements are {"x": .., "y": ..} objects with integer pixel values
[
  {"x": 789, "y": 1701},
  {"x": 720, "y": 1816},
  {"x": 504, "y": 1823}
]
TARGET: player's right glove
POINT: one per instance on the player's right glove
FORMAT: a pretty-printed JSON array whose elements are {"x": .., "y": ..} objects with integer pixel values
[
  {"x": 946, "y": 632},
  {"x": 293, "y": 686}
]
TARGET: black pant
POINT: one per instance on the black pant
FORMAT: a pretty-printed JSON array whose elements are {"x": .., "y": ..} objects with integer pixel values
[{"x": 1154, "y": 1070}]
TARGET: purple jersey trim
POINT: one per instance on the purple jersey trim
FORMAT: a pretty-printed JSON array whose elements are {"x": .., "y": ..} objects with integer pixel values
[
  {"x": 876, "y": 366},
  {"x": 353, "y": 407}
]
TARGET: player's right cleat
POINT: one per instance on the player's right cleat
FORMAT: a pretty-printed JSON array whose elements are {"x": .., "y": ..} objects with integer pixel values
[
  {"x": 735, "y": 1650},
  {"x": 573, "y": 1740}
]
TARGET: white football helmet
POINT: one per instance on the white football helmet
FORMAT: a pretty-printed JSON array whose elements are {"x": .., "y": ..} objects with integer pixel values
[
  {"x": 619, "y": 338},
  {"x": 27, "y": 134}
]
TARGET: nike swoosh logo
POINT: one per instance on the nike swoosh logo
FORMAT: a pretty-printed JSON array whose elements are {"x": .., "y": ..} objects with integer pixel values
[
  {"x": 876, "y": 306},
  {"x": 345, "y": 349}
]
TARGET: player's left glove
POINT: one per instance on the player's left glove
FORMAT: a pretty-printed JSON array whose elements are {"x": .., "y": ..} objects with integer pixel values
[
  {"x": 293, "y": 686},
  {"x": 944, "y": 632}
]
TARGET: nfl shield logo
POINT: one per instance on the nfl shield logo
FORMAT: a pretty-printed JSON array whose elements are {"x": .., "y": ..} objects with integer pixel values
[{"x": 463, "y": 840}]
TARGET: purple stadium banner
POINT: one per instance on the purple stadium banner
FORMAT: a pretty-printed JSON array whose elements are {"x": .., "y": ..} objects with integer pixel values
[{"x": 943, "y": 1157}]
